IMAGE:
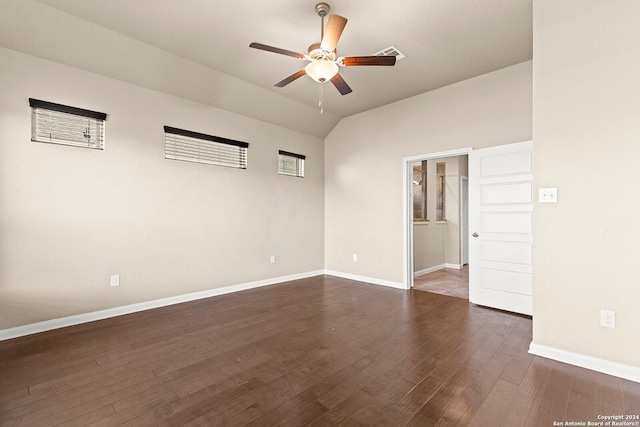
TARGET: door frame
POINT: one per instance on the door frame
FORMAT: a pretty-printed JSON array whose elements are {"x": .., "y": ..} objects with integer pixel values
[
  {"x": 407, "y": 207},
  {"x": 464, "y": 206}
]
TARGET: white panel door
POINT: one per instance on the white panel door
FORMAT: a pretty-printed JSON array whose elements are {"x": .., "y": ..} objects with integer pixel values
[{"x": 500, "y": 227}]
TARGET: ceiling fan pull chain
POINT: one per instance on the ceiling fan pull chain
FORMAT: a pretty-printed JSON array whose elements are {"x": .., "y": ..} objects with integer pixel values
[{"x": 321, "y": 102}]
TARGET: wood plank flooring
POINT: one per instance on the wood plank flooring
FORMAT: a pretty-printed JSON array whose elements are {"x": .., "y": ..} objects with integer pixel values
[{"x": 322, "y": 351}]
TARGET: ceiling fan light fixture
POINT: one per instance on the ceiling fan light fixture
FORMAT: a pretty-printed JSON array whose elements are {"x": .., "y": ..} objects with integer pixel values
[
  {"x": 321, "y": 71},
  {"x": 323, "y": 58}
]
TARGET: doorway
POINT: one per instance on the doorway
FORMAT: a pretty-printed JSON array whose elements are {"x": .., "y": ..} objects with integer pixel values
[{"x": 435, "y": 249}]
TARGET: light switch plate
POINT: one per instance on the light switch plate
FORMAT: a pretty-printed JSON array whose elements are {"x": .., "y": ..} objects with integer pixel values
[{"x": 548, "y": 195}]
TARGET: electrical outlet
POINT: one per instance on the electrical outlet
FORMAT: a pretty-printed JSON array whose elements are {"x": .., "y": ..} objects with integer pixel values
[
  {"x": 273, "y": 259},
  {"x": 115, "y": 280},
  {"x": 355, "y": 257},
  {"x": 608, "y": 318},
  {"x": 548, "y": 195}
]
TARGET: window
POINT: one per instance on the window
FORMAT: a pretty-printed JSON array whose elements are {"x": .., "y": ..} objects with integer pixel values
[
  {"x": 420, "y": 191},
  {"x": 201, "y": 148},
  {"x": 440, "y": 191},
  {"x": 290, "y": 164},
  {"x": 62, "y": 124}
]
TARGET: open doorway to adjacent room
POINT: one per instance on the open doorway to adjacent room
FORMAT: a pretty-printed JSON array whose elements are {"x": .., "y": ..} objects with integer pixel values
[{"x": 437, "y": 237}]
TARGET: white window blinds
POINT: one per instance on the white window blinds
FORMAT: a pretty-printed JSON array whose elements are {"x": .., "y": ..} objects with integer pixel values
[
  {"x": 291, "y": 164},
  {"x": 197, "y": 147},
  {"x": 62, "y": 124}
]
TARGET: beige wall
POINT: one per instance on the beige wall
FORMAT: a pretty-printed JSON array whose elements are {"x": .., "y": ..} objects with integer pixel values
[
  {"x": 587, "y": 143},
  {"x": 363, "y": 161},
  {"x": 71, "y": 217},
  {"x": 428, "y": 246}
]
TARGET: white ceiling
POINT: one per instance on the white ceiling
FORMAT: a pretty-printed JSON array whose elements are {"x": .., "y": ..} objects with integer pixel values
[{"x": 445, "y": 41}]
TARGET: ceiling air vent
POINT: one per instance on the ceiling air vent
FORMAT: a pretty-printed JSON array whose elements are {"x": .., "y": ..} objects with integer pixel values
[{"x": 391, "y": 51}]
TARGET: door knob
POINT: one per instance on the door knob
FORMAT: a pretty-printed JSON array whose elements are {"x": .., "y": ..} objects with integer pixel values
[{"x": 475, "y": 234}]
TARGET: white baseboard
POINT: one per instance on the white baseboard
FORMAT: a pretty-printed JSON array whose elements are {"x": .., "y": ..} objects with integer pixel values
[
  {"x": 436, "y": 268},
  {"x": 381, "y": 282},
  {"x": 63, "y": 322},
  {"x": 627, "y": 372},
  {"x": 430, "y": 270}
]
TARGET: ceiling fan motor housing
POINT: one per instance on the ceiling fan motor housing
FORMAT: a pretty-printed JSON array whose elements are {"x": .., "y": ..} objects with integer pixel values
[
  {"x": 316, "y": 53},
  {"x": 322, "y": 9}
]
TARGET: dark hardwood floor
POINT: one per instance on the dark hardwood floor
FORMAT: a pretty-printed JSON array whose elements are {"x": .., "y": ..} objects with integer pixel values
[{"x": 319, "y": 351}]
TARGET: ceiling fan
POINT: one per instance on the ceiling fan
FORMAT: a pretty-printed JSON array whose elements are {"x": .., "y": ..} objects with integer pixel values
[{"x": 324, "y": 62}]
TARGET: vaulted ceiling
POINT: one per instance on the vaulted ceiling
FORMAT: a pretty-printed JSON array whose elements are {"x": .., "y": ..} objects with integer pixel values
[{"x": 445, "y": 41}]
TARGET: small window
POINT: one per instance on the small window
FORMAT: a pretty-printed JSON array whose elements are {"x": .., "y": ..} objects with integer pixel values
[
  {"x": 201, "y": 148},
  {"x": 420, "y": 191},
  {"x": 62, "y": 124},
  {"x": 291, "y": 164},
  {"x": 440, "y": 191}
]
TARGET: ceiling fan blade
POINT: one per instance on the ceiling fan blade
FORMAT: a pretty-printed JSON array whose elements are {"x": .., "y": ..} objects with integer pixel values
[
  {"x": 332, "y": 32},
  {"x": 350, "y": 61},
  {"x": 276, "y": 50},
  {"x": 291, "y": 78},
  {"x": 340, "y": 84}
]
